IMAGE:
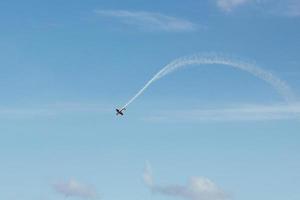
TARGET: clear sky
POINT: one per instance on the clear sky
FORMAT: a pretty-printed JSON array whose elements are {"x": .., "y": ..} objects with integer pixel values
[{"x": 208, "y": 132}]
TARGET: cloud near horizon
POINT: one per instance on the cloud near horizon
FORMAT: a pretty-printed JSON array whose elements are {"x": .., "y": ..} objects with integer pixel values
[
  {"x": 150, "y": 21},
  {"x": 197, "y": 188},
  {"x": 73, "y": 188}
]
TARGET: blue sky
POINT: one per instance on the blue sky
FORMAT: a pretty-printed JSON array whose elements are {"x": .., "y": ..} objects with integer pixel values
[{"x": 208, "y": 132}]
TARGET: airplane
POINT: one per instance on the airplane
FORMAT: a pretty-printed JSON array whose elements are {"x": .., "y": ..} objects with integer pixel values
[{"x": 119, "y": 112}]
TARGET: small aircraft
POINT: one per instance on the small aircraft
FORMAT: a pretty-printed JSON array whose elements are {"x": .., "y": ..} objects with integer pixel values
[{"x": 120, "y": 111}]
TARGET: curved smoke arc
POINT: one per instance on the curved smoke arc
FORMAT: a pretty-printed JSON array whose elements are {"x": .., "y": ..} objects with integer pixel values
[{"x": 279, "y": 85}]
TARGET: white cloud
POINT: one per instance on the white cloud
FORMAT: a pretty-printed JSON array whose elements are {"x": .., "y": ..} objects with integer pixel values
[
  {"x": 288, "y": 8},
  {"x": 236, "y": 113},
  {"x": 149, "y": 20},
  {"x": 73, "y": 188},
  {"x": 228, "y": 5},
  {"x": 197, "y": 188}
]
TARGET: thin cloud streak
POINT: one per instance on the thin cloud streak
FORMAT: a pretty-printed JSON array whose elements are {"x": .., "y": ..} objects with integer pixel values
[
  {"x": 52, "y": 110},
  {"x": 237, "y": 113},
  {"x": 150, "y": 21}
]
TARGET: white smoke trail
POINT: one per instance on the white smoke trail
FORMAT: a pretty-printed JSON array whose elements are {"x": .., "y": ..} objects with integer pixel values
[{"x": 280, "y": 86}]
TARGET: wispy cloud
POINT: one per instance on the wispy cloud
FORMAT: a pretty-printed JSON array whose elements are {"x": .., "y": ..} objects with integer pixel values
[
  {"x": 197, "y": 188},
  {"x": 287, "y": 8},
  {"x": 228, "y": 5},
  {"x": 150, "y": 21},
  {"x": 73, "y": 188},
  {"x": 52, "y": 110},
  {"x": 236, "y": 113}
]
